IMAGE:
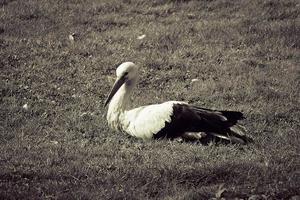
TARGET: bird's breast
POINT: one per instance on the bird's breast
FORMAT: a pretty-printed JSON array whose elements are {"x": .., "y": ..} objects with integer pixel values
[{"x": 113, "y": 120}]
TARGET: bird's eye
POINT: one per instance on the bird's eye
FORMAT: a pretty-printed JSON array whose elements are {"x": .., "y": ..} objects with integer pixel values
[{"x": 126, "y": 73}]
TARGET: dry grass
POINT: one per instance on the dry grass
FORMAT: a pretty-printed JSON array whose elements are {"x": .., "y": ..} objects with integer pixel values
[{"x": 245, "y": 55}]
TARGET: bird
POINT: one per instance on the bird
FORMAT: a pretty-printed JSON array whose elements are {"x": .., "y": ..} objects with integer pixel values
[{"x": 171, "y": 119}]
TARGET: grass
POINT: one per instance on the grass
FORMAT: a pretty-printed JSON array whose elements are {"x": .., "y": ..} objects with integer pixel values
[{"x": 245, "y": 55}]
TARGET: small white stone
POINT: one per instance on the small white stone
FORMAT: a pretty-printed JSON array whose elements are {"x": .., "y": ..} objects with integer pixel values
[
  {"x": 25, "y": 106},
  {"x": 83, "y": 114},
  {"x": 195, "y": 80},
  {"x": 71, "y": 37},
  {"x": 54, "y": 142},
  {"x": 141, "y": 37}
]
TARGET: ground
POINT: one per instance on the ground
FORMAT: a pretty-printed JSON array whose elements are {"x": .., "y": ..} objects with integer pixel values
[{"x": 58, "y": 61}]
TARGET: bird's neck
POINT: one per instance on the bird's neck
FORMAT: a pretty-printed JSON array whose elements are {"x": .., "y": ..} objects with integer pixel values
[
  {"x": 119, "y": 104},
  {"x": 121, "y": 99}
]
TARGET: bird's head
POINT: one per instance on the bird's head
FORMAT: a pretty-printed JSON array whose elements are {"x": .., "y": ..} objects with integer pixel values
[{"x": 127, "y": 72}]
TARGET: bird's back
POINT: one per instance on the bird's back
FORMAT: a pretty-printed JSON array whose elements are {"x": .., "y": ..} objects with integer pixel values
[{"x": 144, "y": 122}]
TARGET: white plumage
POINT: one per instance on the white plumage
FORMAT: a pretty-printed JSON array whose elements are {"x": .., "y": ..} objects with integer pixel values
[
  {"x": 169, "y": 119},
  {"x": 144, "y": 122}
]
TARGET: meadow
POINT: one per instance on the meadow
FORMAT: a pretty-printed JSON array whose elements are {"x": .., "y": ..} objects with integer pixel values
[{"x": 58, "y": 61}]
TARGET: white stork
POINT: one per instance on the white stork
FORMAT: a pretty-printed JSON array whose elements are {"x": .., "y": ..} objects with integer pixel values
[{"x": 170, "y": 119}]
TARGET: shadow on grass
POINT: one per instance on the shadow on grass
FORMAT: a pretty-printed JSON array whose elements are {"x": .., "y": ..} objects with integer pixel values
[
  {"x": 228, "y": 180},
  {"x": 235, "y": 179}
]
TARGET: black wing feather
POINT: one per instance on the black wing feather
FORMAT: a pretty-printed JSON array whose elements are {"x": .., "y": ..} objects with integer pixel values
[{"x": 187, "y": 118}]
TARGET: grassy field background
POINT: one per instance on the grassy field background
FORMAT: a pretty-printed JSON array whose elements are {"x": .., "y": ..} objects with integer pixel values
[{"x": 55, "y": 142}]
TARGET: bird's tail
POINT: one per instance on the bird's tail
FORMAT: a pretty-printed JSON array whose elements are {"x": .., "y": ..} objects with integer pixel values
[
  {"x": 236, "y": 134},
  {"x": 223, "y": 126}
]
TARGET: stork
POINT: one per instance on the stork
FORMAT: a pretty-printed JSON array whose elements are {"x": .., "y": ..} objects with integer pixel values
[{"x": 171, "y": 119}]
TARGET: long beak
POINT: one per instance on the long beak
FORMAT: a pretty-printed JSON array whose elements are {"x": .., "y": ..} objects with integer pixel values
[{"x": 119, "y": 82}]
